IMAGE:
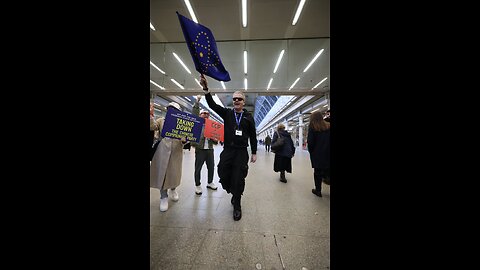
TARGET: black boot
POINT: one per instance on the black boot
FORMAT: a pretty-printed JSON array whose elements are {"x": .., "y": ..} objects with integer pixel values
[
  {"x": 237, "y": 209},
  {"x": 282, "y": 177},
  {"x": 317, "y": 192}
]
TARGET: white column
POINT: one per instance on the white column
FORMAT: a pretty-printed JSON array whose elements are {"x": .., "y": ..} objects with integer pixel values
[{"x": 300, "y": 131}]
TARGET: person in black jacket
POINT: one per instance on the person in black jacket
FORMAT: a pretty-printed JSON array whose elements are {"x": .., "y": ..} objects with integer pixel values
[
  {"x": 268, "y": 142},
  {"x": 283, "y": 156},
  {"x": 239, "y": 127},
  {"x": 319, "y": 149}
]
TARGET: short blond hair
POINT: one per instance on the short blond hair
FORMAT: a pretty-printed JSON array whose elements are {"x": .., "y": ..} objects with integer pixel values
[{"x": 281, "y": 126}]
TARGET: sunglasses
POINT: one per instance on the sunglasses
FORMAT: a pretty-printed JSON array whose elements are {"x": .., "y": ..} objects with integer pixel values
[{"x": 237, "y": 99}]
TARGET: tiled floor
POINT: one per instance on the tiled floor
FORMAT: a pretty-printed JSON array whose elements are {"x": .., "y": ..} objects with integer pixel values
[{"x": 283, "y": 226}]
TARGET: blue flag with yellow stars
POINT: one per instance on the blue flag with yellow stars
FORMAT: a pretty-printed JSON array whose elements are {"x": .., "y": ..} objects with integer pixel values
[{"x": 203, "y": 49}]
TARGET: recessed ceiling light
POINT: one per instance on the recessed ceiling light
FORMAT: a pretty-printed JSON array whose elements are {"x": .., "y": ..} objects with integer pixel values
[
  {"x": 294, "y": 83},
  {"x": 245, "y": 62},
  {"x": 299, "y": 10},
  {"x": 181, "y": 62},
  {"x": 313, "y": 60},
  {"x": 175, "y": 82},
  {"x": 269, "y": 83},
  {"x": 278, "y": 61},
  {"x": 190, "y": 9},
  {"x": 154, "y": 83},
  {"x": 320, "y": 82},
  {"x": 244, "y": 13},
  {"x": 157, "y": 67},
  {"x": 198, "y": 82}
]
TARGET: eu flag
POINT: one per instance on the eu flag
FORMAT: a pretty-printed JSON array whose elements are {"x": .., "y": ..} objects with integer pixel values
[{"x": 203, "y": 49}]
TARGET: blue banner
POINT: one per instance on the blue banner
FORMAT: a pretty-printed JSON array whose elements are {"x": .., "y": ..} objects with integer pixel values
[
  {"x": 180, "y": 125},
  {"x": 202, "y": 46}
]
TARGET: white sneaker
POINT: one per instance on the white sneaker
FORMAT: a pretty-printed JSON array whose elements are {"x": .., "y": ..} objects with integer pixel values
[
  {"x": 198, "y": 190},
  {"x": 212, "y": 186},
  {"x": 164, "y": 204},
  {"x": 174, "y": 195}
]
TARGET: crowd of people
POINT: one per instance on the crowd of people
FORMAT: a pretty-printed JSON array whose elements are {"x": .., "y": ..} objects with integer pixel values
[{"x": 239, "y": 134}]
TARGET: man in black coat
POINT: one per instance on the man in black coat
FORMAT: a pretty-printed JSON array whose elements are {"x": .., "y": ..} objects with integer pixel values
[
  {"x": 268, "y": 142},
  {"x": 239, "y": 127}
]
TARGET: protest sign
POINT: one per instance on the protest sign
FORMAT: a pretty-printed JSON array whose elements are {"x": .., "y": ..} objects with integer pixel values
[
  {"x": 213, "y": 130},
  {"x": 180, "y": 125}
]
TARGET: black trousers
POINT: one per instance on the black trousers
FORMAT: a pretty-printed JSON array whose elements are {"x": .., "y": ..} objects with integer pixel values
[
  {"x": 202, "y": 156},
  {"x": 318, "y": 174},
  {"x": 267, "y": 147},
  {"x": 232, "y": 170}
]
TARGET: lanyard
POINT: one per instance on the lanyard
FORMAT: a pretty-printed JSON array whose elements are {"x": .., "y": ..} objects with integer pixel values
[{"x": 238, "y": 120}]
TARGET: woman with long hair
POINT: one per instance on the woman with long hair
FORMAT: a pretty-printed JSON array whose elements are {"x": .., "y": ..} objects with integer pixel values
[{"x": 319, "y": 149}]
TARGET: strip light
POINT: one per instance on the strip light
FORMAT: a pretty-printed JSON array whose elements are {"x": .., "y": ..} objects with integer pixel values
[
  {"x": 278, "y": 61},
  {"x": 217, "y": 100},
  {"x": 269, "y": 83},
  {"x": 187, "y": 99},
  {"x": 245, "y": 62},
  {"x": 190, "y": 9},
  {"x": 180, "y": 60},
  {"x": 299, "y": 10},
  {"x": 151, "y": 26},
  {"x": 244, "y": 13},
  {"x": 294, "y": 83},
  {"x": 246, "y": 83},
  {"x": 151, "y": 63},
  {"x": 175, "y": 82},
  {"x": 313, "y": 60},
  {"x": 319, "y": 83},
  {"x": 198, "y": 83},
  {"x": 154, "y": 83},
  {"x": 223, "y": 85}
]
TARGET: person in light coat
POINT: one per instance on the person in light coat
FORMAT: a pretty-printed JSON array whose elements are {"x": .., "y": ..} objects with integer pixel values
[{"x": 166, "y": 167}]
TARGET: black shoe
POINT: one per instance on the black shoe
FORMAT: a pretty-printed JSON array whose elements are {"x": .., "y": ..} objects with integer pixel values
[
  {"x": 316, "y": 192},
  {"x": 283, "y": 180},
  {"x": 237, "y": 214}
]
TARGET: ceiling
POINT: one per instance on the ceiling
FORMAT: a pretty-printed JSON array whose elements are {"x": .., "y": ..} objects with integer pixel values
[{"x": 269, "y": 31}]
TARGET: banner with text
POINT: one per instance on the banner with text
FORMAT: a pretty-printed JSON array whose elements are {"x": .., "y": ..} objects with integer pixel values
[
  {"x": 180, "y": 125},
  {"x": 213, "y": 130}
]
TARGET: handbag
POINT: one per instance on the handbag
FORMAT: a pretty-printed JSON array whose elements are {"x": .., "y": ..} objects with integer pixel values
[{"x": 278, "y": 144}]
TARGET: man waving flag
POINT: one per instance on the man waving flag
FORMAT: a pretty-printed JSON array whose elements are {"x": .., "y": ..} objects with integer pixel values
[{"x": 202, "y": 46}]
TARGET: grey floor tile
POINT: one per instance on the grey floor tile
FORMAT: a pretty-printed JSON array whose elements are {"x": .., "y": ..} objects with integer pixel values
[
  {"x": 198, "y": 232},
  {"x": 300, "y": 251}
]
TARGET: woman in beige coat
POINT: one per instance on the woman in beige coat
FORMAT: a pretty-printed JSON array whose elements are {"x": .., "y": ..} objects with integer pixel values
[{"x": 166, "y": 166}]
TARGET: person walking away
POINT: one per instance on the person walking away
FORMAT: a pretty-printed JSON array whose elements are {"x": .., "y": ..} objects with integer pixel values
[
  {"x": 319, "y": 149},
  {"x": 268, "y": 142},
  {"x": 283, "y": 156}
]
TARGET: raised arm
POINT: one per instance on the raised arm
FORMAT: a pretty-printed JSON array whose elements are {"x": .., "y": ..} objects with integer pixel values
[
  {"x": 221, "y": 111},
  {"x": 196, "y": 106}
]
